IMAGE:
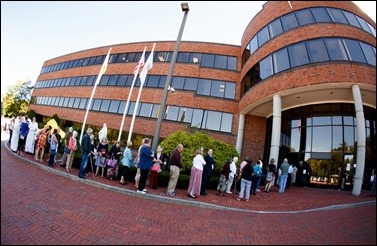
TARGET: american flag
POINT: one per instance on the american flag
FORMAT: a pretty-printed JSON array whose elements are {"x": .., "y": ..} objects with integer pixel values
[{"x": 140, "y": 64}]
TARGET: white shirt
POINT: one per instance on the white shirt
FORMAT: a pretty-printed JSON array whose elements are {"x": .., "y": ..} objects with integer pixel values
[
  {"x": 198, "y": 162},
  {"x": 233, "y": 169}
]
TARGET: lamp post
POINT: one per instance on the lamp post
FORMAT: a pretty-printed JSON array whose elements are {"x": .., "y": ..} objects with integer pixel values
[{"x": 185, "y": 8}]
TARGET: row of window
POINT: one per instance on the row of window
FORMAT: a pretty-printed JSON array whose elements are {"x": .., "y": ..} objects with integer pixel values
[
  {"x": 199, "y": 118},
  {"x": 305, "y": 17},
  {"x": 205, "y": 87},
  {"x": 316, "y": 50},
  {"x": 204, "y": 60}
]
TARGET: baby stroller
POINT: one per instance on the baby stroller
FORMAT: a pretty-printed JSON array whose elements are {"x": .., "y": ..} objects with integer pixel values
[{"x": 112, "y": 168}]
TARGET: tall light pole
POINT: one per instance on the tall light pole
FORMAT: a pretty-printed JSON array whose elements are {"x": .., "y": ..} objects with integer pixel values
[{"x": 156, "y": 138}]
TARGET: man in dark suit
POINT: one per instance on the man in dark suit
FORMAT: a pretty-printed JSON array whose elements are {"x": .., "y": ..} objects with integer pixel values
[{"x": 207, "y": 171}]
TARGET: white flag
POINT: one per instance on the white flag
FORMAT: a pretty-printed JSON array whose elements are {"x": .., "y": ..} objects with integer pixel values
[
  {"x": 104, "y": 66},
  {"x": 140, "y": 63},
  {"x": 147, "y": 66}
]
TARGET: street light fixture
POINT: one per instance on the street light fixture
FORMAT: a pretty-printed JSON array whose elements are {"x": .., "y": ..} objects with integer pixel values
[{"x": 156, "y": 138}]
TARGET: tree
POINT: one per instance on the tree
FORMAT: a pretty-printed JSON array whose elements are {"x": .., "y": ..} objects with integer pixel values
[{"x": 17, "y": 98}]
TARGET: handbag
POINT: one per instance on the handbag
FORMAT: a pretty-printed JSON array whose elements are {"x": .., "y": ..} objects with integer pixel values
[
  {"x": 67, "y": 150},
  {"x": 112, "y": 162}
]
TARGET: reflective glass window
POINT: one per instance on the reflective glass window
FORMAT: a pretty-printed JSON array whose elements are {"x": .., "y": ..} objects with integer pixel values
[
  {"x": 213, "y": 120},
  {"x": 197, "y": 118},
  {"x": 226, "y": 122},
  {"x": 336, "y": 49},
  {"x": 321, "y": 139},
  {"x": 349, "y": 138},
  {"x": 281, "y": 60},
  {"x": 90, "y": 80},
  {"x": 96, "y": 104},
  {"x": 114, "y": 105},
  {"x": 191, "y": 84},
  {"x": 304, "y": 17},
  {"x": 289, "y": 21},
  {"x": 320, "y": 15},
  {"x": 185, "y": 115},
  {"x": 122, "y": 106},
  {"x": 113, "y": 80},
  {"x": 153, "y": 81},
  {"x": 220, "y": 61},
  {"x": 204, "y": 87},
  {"x": 254, "y": 44},
  {"x": 122, "y": 80},
  {"x": 337, "y": 15},
  {"x": 217, "y": 89},
  {"x": 230, "y": 90},
  {"x": 232, "y": 63},
  {"x": 105, "y": 105},
  {"x": 65, "y": 103},
  {"x": 265, "y": 67},
  {"x": 177, "y": 82},
  {"x": 369, "y": 54},
  {"x": 146, "y": 109},
  {"x": 183, "y": 57},
  {"x": 83, "y": 102},
  {"x": 196, "y": 58},
  {"x": 308, "y": 144},
  {"x": 162, "y": 81},
  {"x": 131, "y": 108},
  {"x": 163, "y": 56},
  {"x": 337, "y": 138},
  {"x": 155, "y": 110},
  {"x": 354, "y": 50},
  {"x": 275, "y": 28},
  {"x": 263, "y": 36},
  {"x": 351, "y": 19},
  {"x": 208, "y": 60},
  {"x": 104, "y": 80},
  {"x": 363, "y": 24},
  {"x": 317, "y": 51},
  {"x": 298, "y": 55},
  {"x": 172, "y": 113},
  {"x": 295, "y": 139}
]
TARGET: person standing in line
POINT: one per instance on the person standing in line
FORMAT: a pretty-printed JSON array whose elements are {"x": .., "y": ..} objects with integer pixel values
[
  {"x": 373, "y": 183},
  {"x": 10, "y": 129},
  {"x": 86, "y": 146},
  {"x": 72, "y": 145},
  {"x": 289, "y": 177},
  {"x": 159, "y": 159},
  {"x": 294, "y": 174},
  {"x": 41, "y": 144},
  {"x": 260, "y": 163},
  {"x": 196, "y": 174},
  {"x": 24, "y": 129},
  {"x": 92, "y": 154},
  {"x": 256, "y": 177},
  {"x": 16, "y": 134},
  {"x": 175, "y": 168},
  {"x": 246, "y": 174},
  {"x": 284, "y": 175},
  {"x": 102, "y": 133},
  {"x": 223, "y": 181},
  {"x": 145, "y": 163},
  {"x": 53, "y": 147},
  {"x": 102, "y": 150},
  {"x": 137, "y": 175},
  {"x": 233, "y": 170},
  {"x": 207, "y": 171},
  {"x": 115, "y": 153},
  {"x": 126, "y": 162},
  {"x": 270, "y": 178},
  {"x": 30, "y": 139},
  {"x": 68, "y": 135}
]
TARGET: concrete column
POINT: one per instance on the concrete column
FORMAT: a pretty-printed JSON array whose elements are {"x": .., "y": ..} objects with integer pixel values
[
  {"x": 241, "y": 130},
  {"x": 361, "y": 141},
  {"x": 276, "y": 129}
]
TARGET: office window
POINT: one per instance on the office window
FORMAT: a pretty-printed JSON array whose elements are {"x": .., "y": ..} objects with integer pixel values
[
  {"x": 190, "y": 84},
  {"x": 354, "y": 50},
  {"x": 369, "y": 54},
  {"x": 230, "y": 90},
  {"x": 337, "y": 15},
  {"x": 289, "y": 21},
  {"x": 254, "y": 44},
  {"x": 104, "y": 80},
  {"x": 96, "y": 104},
  {"x": 121, "y": 58},
  {"x": 113, "y": 80},
  {"x": 320, "y": 15},
  {"x": 153, "y": 81},
  {"x": 351, "y": 18},
  {"x": 226, "y": 122},
  {"x": 122, "y": 105},
  {"x": 275, "y": 28},
  {"x": 146, "y": 109},
  {"x": 217, "y": 89},
  {"x": 336, "y": 49},
  {"x": 281, "y": 60},
  {"x": 220, "y": 61},
  {"x": 183, "y": 57},
  {"x": 70, "y": 102},
  {"x": 232, "y": 63},
  {"x": 208, "y": 60},
  {"x": 265, "y": 67},
  {"x": 197, "y": 118},
  {"x": 177, "y": 82},
  {"x": 317, "y": 51},
  {"x": 122, "y": 80},
  {"x": 304, "y": 17},
  {"x": 213, "y": 120},
  {"x": 172, "y": 113},
  {"x": 196, "y": 58},
  {"x": 114, "y": 105},
  {"x": 298, "y": 55},
  {"x": 76, "y": 103},
  {"x": 204, "y": 87},
  {"x": 105, "y": 105},
  {"x": 185, "y": 115},
  {"x": 90, "y": 80}
]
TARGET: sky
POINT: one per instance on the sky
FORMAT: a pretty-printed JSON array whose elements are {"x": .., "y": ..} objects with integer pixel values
[{"x": 33, "y": 32}]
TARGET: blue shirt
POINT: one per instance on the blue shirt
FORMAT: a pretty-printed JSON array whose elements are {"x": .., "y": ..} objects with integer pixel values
[
  {"x": 127, "y": 157},
  {"x": 146, "y": 159}
]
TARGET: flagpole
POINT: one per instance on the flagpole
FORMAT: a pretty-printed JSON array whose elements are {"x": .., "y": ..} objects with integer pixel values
[
  {"x": 129, "y": 95},
  {"x": 142, "y": 80},
  {"x": 101, "y": 72}
]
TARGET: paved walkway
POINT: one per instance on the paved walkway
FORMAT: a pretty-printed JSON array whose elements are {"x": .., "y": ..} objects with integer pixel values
[{"x": 44, "y": 205}]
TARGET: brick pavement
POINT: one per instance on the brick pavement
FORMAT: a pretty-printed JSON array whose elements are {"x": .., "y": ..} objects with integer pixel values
[{"x": 63, "y": 209}]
